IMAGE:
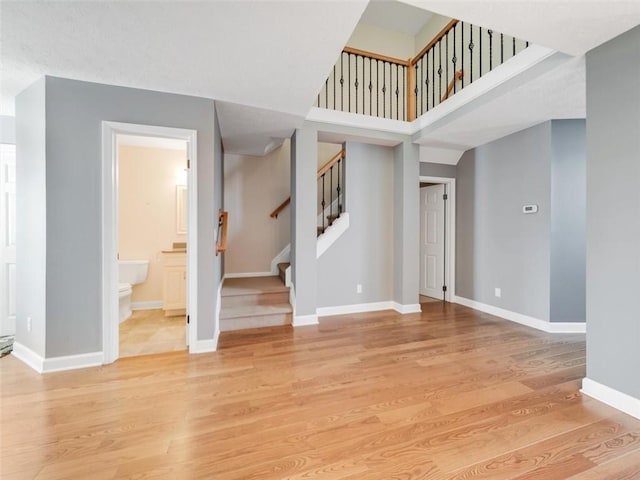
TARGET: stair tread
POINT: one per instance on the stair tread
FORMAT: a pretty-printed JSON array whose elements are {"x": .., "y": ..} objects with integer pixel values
[
  {"x": 252, "y": 286},
  {"x": 254, "y": 310}
]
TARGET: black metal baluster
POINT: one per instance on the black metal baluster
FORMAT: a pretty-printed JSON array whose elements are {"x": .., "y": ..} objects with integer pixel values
[
  {"x": 501, "y": 48},
  {"x": 490, "y": 33},
  {"x": 384, "y": 89},
  {"x": 338, "y": 189},
  {"x": 426, "y": 81},
  {"x": 349, "y": 82},
  {"x": 342, "y": 82},
  {"x": 446, "y": 63},
  {"x": 404, "y": 92},
  {"x": 433, "y": 76},
  {"x": 526, "y": 45},
  {"x": 323, "y": 203},
  {"x": 330, "y": 196},
  {"x": 454, "y": 59},
  {"x": 513, "y": 40},
  {"x": 397, "y": 92},
  {"x": 461, "y": 56},
  {"x": 356, "y": 83},
  {"x": 439, "y": 70},
  {"x": 334, "y": 87},
  {"x": 377, "y": 89},
  {"x": 326, "y": 93},
  {"x": 418, "y": 113},
  {"x": 363, "y": 93},
  {"x": 470, "y": 53},
  {"x": 370, "y": 87}
]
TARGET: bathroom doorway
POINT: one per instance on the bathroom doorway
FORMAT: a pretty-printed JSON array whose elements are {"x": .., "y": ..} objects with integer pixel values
[
  {"x": 152, "y": 244},
  {"x": 149, "y": 212}
]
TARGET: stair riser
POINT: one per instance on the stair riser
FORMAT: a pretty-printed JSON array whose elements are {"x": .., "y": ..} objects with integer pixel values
[
  {"x": 257, "y": 321},
  {"x": 255, "y": 299}
]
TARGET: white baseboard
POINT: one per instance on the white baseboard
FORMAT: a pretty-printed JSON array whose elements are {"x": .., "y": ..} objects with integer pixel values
[
  {"x": 152, "y": 305},
  {"x": 303, "y": 320},
  {"x": 205, "y": 346},
  {"x": 248, "y": 274},
  {"x": 73, "y": 362},
  {"x": 621, "y": 401},
  {"x": 282, "y": 257},
  {"x": 549, "y": 327},
  {"x": 404, "y": 309},
  {"x": 56, "y": 364},
  {"x": 355, "y": 308},
  {"x": 28, "y": 357}
]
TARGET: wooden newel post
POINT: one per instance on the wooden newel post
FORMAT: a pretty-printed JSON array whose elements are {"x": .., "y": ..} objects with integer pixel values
[{"x": 411, "y": 92}]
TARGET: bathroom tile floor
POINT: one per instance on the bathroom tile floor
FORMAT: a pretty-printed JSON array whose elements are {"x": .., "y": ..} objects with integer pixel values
[{"x": 149, "y": 331}]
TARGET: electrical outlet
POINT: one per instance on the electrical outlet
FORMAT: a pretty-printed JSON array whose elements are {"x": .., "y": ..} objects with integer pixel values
[
  {"x": 498, "y": 292},
  {"x": 28, "y": 324},
  {"x": 358, "y": 288}
]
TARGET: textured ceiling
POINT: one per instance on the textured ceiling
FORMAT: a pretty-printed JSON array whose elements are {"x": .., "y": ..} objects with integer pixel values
[{"x": 272, "y": 55}]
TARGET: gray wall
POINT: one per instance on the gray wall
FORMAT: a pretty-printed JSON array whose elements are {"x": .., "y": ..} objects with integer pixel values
[
  {"x": 7, "y": 129},
  {"x": 31, "y": 218},
  {"x": 304, "y": 157},
  {"x": 364, "y": 253},
  {"x": 568, "y": 217},
  {"x": 428, "y": 169},
  {"x": 74, "y": 112},
  {"x": 406, "y": 223},
  {"x": 496, "y": 244},
  {"x": 613, "y": 213}
]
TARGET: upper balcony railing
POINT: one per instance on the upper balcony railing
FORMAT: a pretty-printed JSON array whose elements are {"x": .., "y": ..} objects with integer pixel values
[{"x": 381, "y": 86}]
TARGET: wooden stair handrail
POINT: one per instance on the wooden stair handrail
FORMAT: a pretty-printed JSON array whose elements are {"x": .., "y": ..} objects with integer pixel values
[
  {"x": 324, "y": 169},
  {"x": 458, "y": 76},
  {"x": 376, "y": 56},
  {"x": 281, "y": 207}
]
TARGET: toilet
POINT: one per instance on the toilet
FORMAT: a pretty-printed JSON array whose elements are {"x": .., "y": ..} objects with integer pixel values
[{"x": 130, "y": 272}]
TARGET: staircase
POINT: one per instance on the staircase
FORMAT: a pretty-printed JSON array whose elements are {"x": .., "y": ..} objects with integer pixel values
[{"x": 253, "y": 303}]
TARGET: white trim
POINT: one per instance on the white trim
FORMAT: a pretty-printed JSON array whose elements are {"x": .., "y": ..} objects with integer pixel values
[
  {"x": 450, "y": 227},
  {"x": 614, "y": 398},
  {"x": 205, "y": 346},
  {"x": 28, "y": 357},
  {"x": 336, "y": 117},
  {"x": 110, "y": 130},
  {"x": 405, "y": 309},
  {"x": 304, "y": 320},
  {"x": 72, "y": 362},
  {"x": 249, "y": 274},
  {"x": 332, "y": 233},
  {"x": 549, "y": 327},
  {"x": 355, "y": 308},
  {"x": 368, "y": 307},
  {"x": 282, "y": 257},
  {"x": 153, "y": 305},
  {"x": 55, "y": 364}
]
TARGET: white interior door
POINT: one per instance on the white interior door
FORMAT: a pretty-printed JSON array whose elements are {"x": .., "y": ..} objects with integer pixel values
[
  {"x": 432, "y": 238},
  {"x": 8, "y": 239}
]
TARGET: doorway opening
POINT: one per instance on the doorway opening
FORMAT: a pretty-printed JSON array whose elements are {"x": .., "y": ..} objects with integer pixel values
[
  {"x": 149, "y": 220},
  {"x": 437, "y": 239},
  {"x": 7, "y": 247}
]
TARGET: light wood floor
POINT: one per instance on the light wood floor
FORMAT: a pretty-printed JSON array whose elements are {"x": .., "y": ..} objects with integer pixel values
[
  {"x": 149, "y": 331},
  {"x": 446, "y": 394}
]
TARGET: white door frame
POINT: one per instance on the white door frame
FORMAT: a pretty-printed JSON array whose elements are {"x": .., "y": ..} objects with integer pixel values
[
  {"x": 110, "y": 321},
  {"x": 450, "y": 229}
]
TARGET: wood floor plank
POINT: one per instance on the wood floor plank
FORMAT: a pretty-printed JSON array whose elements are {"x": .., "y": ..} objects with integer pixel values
[{"x": 450, "y": 393}]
